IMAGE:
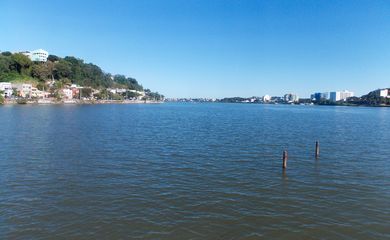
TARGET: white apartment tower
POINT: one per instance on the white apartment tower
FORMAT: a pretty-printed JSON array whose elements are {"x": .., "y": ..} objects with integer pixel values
[
  {"x": 38, "y": 55},
  {"x": 340, "y": 95}
]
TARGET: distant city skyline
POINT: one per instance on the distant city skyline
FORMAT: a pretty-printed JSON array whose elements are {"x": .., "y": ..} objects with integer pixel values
[{"x": 215, "y": 49}]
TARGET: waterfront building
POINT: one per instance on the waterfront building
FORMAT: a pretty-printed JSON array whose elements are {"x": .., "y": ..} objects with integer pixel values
[
  {"x": 75, "y": 90},
  {"x": 320, "y": 96},
  {"x": 6, "y": 87},
  {"x": 38, "y": 55},
  {"x": 23, "y": 89},
  {"x": 68, "y": 93},
  {"x": 117, "y": 90},
  {"x": 266, "y": 98},
  {"x": 141, "y": 93},
  {"x": 340, "y": 95},
  {"x": 385, "y": 92},
  {"x": 276, "y": 99},
  {"x": 111, "y": 90},
  {"x": 334, "y": 96},
  {"x": 38, "y": 93},
  {"x": 291, "y": 98}
]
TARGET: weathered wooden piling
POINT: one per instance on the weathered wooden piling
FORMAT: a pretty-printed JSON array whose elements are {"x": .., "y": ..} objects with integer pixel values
[
  {"x": 317, "y": 149},
  {"x": 285, "y": 157}
]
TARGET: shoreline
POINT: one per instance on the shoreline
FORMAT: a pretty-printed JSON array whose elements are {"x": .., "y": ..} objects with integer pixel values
[
  {"x": 91, "y": 102},
  {"x": 287, "y": 104},
  {"x": 78, "y": 102}
]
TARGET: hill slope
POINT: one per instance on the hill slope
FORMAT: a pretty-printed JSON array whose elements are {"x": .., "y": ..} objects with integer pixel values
[{"x": 69, "y": 70}]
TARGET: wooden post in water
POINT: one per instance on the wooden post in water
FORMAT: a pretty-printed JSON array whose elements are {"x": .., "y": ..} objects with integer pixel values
[
  {"x": 317, "y": 149},
  {"x": 285, "y": 157}
]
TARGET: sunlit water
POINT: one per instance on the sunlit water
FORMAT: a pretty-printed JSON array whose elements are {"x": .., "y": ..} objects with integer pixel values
[{"x": 194, "y": 171}]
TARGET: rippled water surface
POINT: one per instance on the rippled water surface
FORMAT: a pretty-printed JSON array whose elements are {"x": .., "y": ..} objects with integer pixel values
[{"x": 194, "y": 171}]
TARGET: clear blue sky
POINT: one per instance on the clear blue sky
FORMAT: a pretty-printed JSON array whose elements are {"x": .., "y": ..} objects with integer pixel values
[{"x": 194, "y": 48}]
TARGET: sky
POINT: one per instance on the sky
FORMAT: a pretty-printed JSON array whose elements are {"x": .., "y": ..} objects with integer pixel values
[{"x": 215, "y": 49}]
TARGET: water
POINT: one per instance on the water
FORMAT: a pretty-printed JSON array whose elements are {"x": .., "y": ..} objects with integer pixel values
[{"x": 194, "y": 171}]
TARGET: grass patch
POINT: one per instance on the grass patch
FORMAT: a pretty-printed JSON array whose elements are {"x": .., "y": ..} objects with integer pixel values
[{"x": 17, "y": 78}]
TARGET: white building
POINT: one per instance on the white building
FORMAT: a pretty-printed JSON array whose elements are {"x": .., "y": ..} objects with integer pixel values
[
  {"x": 38, "y": 93},
  {"x": 117, "y": 90},
  {"x": 23, "y": 89},
  {"x": 141, "y": 93},
  {"x": 385, "y": 92},
  {"x": 266, "y": 98},
  {"x": 38, "y": 55},
  {"x": 6, "y": 87},
  {"x": 340, "y": 95},
  {"x": 291, "y": 98},
  {"x": 68, "y": 93}
]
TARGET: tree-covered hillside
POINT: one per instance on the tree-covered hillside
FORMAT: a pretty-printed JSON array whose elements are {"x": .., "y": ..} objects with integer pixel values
[
  {"x": 373, "y": 99},
  {"x": 69, "y": 70}
]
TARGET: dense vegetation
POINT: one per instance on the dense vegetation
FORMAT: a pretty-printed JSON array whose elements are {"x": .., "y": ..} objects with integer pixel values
[
  {"x": 233, "y": 100},
  {"x": 367, "y": 100},
  {"x": 370, "y": 99},
  {"x": 58, "y": 72},
  {"x": 373, "y": 99},
  {"x": 1, "y": 97}
]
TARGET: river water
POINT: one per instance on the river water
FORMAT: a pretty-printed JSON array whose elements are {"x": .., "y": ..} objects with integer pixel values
[{"x": 194, "y": 171}]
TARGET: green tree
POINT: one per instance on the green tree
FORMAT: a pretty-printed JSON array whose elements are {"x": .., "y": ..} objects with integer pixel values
[
  {"x": 130, "y": 83},
  {"x": 21, "y": 63},
  {"x": 42, "y": 86},
  {"x": 5, "y": 63},
  {"x": 373, "y": 99},
  {"x": 115, "y": 96},
  {"x": 86, "y": 92},
  {"x": 6, "y": 53},
  {"x": 62, "y": 69},
  {"x": 153, "y": 95},
  {"x": 50, "y": 68},
  {"x": 66, "y": 81},
  {"x": 1, "y": 97},
  {"x": 102, "y": 95},
  {"x": 132, "y": 94},
  {"x": 40, "y": 71},
  {"x": 58, "y": 85},
  {"x": 53, "y": 58},
  {"x": 76, "y": 68}
]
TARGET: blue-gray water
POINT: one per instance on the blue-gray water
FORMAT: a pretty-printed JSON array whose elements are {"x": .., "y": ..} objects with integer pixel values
[{"x": 194, "y": 171}]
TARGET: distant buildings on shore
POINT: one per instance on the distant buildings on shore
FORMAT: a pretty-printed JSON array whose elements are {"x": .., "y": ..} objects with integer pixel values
[
  {"x": 291, "y": 98},
  {"x": 332, "y": 96},
  {"x": 266, "y": 98},
  {"x": 68, "y": 92},
  {"x": 287, "y": 98},
  {"x": 6, "y": 87},
  {"x": 340, "y": 96},
  {"x": 24, "y": 90}
]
